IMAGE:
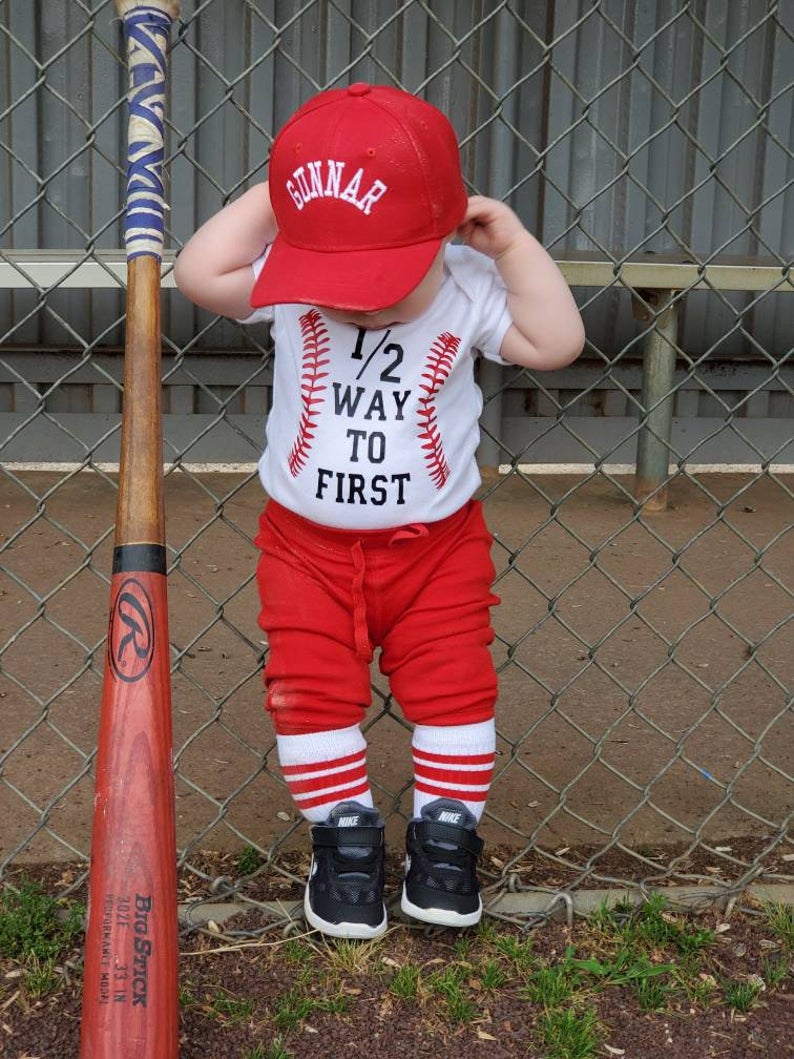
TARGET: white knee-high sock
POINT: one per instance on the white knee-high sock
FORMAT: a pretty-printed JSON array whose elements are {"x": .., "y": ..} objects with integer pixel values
[
  {"x": 454, "y": 762},
  {"x": 323, "y": 769}
]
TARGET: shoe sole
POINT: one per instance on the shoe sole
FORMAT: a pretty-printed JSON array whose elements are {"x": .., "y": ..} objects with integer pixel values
[
  {"x": 442, "y": 917},
  {"x": 360, "y": 931}
]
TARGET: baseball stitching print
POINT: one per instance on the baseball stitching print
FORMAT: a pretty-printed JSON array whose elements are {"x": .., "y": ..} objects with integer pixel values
[
  {"x": 438, "y": 366},
  {"x": 315, "y": 358}
]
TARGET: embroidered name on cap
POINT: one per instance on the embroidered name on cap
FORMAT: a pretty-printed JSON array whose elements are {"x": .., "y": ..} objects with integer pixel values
[{"x": 326, "y": 179}]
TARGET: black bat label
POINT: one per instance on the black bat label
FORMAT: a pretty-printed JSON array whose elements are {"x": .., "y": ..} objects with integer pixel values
[
  {"x": 131, "y": 632},
  {"x": 143, "y": 951}
]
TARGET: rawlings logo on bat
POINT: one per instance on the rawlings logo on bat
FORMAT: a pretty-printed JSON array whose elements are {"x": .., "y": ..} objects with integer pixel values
[{"x": 131, "y": 632}]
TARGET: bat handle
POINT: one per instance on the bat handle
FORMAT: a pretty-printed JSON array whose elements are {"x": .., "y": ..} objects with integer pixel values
[{"x": 146, "y": 29}]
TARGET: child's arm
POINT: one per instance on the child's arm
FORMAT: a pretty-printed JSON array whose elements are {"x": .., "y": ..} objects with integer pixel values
[
  {"x": 213, "y": 269},
  {"x": 547, "y": 329}
]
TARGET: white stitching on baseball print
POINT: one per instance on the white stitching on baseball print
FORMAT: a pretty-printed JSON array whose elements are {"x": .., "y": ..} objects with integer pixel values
[
  {"x": 315, "y": 349},
  {"x": 438, "y": 366}
]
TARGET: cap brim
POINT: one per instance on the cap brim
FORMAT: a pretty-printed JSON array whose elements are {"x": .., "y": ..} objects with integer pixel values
[{"x": 360, "y": 280}]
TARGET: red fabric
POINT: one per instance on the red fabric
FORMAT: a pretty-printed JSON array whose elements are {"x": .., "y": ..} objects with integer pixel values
[
  {"x": 319, "y": 783},
  {"x": 460, "y": 794},
  {"x": 453, "y": 775},
  {"x": 421, "y": 593},
  {"x": 481, "y": 777}
]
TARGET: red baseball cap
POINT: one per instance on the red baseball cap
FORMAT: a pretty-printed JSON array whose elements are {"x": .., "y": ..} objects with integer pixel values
[{"x": 365, "y": 184}]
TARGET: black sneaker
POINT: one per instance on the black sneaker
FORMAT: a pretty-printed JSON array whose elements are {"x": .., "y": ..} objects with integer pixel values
[
  {"x": 440, "y": 867},
  {"x": 344, "y": 894}
]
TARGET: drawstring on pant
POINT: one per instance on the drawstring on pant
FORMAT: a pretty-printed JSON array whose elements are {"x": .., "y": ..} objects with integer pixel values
[
  {"x": 360, "y": 630},
  {"x": 412, "y": 532}
]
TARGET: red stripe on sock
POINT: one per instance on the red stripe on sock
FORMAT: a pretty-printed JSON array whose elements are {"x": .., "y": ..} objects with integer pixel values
[
  {"x": 333, "y": 780},
  {"x": 319, "y": 766},
  {"x": 478, "y": 776},
  {"x": 333, "y": 797},
  {"x": 453, "y": 759},
  {"x": 447, "y": 792}
]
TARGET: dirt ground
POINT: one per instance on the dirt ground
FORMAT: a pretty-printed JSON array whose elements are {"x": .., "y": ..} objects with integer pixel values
[
  {"x": 646, "y": 667},
  {"x": 303, "y": 998}
]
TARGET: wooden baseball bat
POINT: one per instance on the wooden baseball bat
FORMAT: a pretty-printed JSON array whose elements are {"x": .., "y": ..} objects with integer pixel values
[{"x": 130, "y": 987}]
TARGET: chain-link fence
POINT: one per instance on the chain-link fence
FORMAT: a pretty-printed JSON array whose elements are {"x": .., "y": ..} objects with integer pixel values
[{"x": 645, "y": 640}]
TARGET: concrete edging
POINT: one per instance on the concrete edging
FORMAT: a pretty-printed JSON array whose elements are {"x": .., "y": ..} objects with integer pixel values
[{"x": 528, "y": 903}]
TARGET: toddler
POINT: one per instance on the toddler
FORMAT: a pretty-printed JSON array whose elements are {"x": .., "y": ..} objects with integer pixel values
[{"x": 371, "y": 537}]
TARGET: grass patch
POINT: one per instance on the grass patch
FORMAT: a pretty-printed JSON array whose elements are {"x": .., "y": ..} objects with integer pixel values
[
  {"x": 658, "y": 953},
  {"x": 230, "y": 1008},
  {"x": 405, "y": 982},
  {"x": 291, "y": 1009},
  {"x": 297, "y": 951},
  {"x": 699, "y": 989},
  {"x": 249, "y": 860},
  {"x": 275, "y": 1051},
  {"x": 450, "y": 983},
  {"x": 187, "y": 995},
  {"x": 41, "y": 977},
  {"x": 742, "y": 996},
  {"x": 654, "y": 926},
  {"x": 627, "y": 967},
  {"x": 651, "y": 994},
  {"x": 774, "y": 972},
  {"x": 353, "y": 957},
  {"x": 780, "y": 920},
  {"x": 493, "y": 976},
  {"x": 33, "y": 924},
  {"x": 555, "y": 984},
  {"x": 516, "y": 950},
  {"x": 38, "y": 933},
  {"x": 570, "y": 1034},
  {"x": 294, "y": 1007}
]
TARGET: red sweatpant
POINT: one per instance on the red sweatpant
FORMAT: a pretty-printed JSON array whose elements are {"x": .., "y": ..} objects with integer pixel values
[{"x": 421, "y": 593}]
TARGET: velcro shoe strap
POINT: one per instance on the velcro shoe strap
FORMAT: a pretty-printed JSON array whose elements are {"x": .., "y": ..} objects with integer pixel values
[
  {"x": 324, "y": 835},
  {"x": 463, "y": 837}
]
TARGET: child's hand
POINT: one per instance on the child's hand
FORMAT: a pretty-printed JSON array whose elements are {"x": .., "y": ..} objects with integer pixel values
[
  {"x": 491, "y": 227},
  {"x": 547, "y": 331}
]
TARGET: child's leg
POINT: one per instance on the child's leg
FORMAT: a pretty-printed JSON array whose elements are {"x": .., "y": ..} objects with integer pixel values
[
  {"x": 317, "y": 679},
  {"x": 438, "y": 660},
  {"x": 441, "y": 671},
  {"x": 321, "y": 749},
  {"x": 317, "y": 673}
]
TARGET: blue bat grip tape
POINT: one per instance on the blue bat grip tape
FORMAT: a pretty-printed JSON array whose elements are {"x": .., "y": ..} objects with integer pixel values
[{"x": 146, "y": 30}]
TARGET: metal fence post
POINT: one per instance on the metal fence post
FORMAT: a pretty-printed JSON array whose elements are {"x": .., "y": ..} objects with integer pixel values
[{"x": 659, "y": 356}]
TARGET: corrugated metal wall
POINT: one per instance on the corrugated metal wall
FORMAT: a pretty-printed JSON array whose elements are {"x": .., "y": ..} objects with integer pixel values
[{"x": 617, "y": 127}]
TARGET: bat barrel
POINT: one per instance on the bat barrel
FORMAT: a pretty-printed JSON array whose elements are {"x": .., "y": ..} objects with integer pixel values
[
  {"x": 130, "y": 980},
  {"x": 130, "y": 989}
]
